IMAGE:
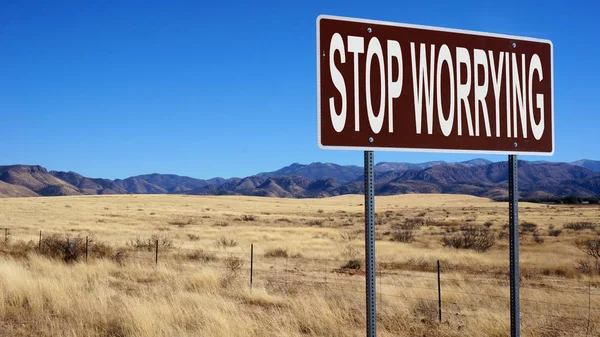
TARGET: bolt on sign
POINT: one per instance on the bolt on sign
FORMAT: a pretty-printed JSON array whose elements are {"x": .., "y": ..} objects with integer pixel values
[{"x": 388, "y": 86}]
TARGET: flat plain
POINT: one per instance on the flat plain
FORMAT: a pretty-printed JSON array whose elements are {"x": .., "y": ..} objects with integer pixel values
[{"x": 307, "y": 266}]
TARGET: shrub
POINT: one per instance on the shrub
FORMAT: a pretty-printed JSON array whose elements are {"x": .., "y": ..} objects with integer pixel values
[
  {"x": 19, "y": 249},
  {"x": 588, "y": 267},
  {"x": 435, "y": 223},
  {"x": 578, "y": 226},
  {"x": 410, "y": 224},
  {"x": 248, "y": 217},
  {"x": 488, "y": 224},
  {"x": 224, "y": 242},
  {"x": 277, "y": 253},
  {"x": 72, "y": 249},
  {"x": 142, "y": 244},
  {"x": 471, "y": 237},
  {"x": 554, "y": 232},
  {"x": 349, "y": 236},
  {"x": 201, "y": 255},
  {"x": 164, "y": 240},
  {"x": 404, "y": 236},
  {"x": 315, "y": 222},
  {"x": 347, "y": 247},
  {"x": 380, "y": 221},
  {"x": 590, "y": 247},
  {"x": 353, "y": 264},
  {"x": 221, "y": 224},
  {"x": 233, "y": 264},
  {"x": 528, "y": 227},
  {"x": 149, "y": 244},
  {"x": 120, "y": 257},
  {"x": 349, "y": 250},
  {"x": 193, "y": 237},
  {"x": 99, "y": 249},
  {"x": 179, "y": 223}
]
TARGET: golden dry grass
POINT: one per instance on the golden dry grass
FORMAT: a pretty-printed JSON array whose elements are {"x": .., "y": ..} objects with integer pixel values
[{"x": 307, "y": 293}]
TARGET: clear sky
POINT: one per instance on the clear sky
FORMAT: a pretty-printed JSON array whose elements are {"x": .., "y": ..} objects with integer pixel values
[{"x": 221, "y": 88}]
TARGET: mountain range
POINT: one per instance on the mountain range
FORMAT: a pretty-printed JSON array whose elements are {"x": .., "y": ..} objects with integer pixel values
[{"x": 480, "y": 177}]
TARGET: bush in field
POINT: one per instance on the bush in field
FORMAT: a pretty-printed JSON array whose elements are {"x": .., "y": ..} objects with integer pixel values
[
  {"x": 353, "y": 264},
  {"x": 72, "y": 249},
  {"x": 471, "y": 237},
  {"x": 528, "y": 227},
  {"x": 347, "y": 247},
  {"x": 578, "y": 226},
  {"x": 120, "y": 257},
  {"x": 201, "y": 255},
  {"x": 315, "y": 222},
  {"x": 18, "y": 249},
  {"x": 591, "y": 247},
  {"x": 277, "y": 252},
  {"x": 149, "y": 244},
  {"x": 246, "y": 217},
  {"x": 403, "y": 236},
  {"x": 588, "y": 267},
  {"x": 233, "y": 264},
  {"x": 224, "y": 242},
  {"x": 554, "y": 232},
  {"x": 410, "y": 224},
  {"x": 193, "y": 237}
]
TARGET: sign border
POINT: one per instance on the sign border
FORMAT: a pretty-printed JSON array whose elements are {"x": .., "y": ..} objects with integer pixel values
[{"x": 437, "y": 29}]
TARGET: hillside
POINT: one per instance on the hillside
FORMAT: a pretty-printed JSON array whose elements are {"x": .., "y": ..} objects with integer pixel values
[
  {"x": 593, "y": 165},
  {"x": 476, "y": 177},
  {"x": 36, "y": 180},
  {"x": 160, "y": 183},
  {"x": 89, "y": 185},
  {"x": 319, "y": 171}
]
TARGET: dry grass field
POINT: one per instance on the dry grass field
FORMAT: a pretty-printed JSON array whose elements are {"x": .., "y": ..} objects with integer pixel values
[{"x": 308, "y": 277}]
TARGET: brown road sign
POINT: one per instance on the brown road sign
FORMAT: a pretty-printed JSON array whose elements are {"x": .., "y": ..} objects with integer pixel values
[{"x": 397, "y": 87}]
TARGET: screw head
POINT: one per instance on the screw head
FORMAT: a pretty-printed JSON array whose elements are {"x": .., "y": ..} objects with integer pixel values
[
  {"x": 515, "y": 144},
  {"x": 369, "y": 30},
  {"x": 514, "y": 45},
  {"x": 371, "y": 139}
]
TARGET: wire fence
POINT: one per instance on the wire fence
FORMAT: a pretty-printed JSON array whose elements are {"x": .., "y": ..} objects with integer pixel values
[{"x": 571, "y": 308}]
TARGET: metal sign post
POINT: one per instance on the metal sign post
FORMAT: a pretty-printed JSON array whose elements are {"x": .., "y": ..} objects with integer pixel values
[
  {"x": 513, "y": 222},
  {"x": 370, "y": 244}
]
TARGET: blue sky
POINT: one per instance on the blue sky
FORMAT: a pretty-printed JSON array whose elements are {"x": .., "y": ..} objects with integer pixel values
[{"x": 220, "y": 88}]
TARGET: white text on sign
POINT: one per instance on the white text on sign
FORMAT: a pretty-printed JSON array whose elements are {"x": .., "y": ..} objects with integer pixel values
[{"x": 511, "y": 73}]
